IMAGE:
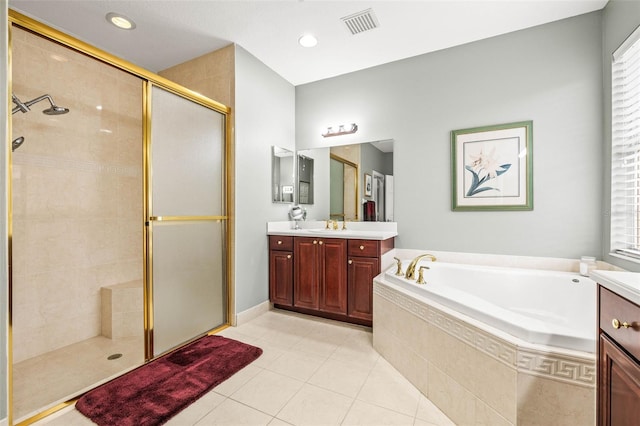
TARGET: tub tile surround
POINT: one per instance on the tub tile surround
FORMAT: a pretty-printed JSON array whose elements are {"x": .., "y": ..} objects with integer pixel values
[{"x": 493, "y": 378}]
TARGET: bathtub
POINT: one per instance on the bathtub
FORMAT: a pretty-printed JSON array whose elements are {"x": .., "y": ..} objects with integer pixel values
[
  {"x": 550, "y": 308},
  {"x": 490, "y": 344}
]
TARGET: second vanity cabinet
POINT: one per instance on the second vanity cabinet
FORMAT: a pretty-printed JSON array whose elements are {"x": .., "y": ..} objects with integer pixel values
[
  {"x": 618, "y": 360},
  {"x": 328, "y": 277}
]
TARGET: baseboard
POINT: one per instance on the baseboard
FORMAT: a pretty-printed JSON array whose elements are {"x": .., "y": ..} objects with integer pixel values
[
  {"x": 4, "y": 422},
  {"x": 251, "y": 313}
]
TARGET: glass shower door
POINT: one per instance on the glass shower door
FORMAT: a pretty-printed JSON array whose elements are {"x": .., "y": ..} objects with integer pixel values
[{"x": 186, "y": 221}]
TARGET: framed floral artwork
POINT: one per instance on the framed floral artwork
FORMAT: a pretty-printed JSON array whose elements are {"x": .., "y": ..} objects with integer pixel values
[
  {"x": 367, "y": 185},
  {"x": 492, "y": 167}
]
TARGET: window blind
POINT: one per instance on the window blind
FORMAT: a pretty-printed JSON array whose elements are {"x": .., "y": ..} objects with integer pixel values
[{"x": 625, "y": 152}]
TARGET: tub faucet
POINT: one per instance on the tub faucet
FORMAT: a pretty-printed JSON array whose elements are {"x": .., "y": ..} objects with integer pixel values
[
  {"x": 411, "y": 269},
  {"x": 399, "y": 266}
]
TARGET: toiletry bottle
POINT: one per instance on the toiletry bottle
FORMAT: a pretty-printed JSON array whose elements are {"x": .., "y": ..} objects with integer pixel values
[{"x": 587, "y": 264}]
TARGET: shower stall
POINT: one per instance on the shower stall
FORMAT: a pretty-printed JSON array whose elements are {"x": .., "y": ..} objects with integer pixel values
[{"x": 117, "y": 223}]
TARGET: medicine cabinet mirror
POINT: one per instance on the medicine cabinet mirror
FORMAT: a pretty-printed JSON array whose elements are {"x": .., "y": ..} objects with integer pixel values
[{"x": 282, "y": 175}]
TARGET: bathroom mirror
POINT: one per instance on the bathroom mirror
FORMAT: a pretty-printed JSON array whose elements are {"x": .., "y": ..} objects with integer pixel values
[
  {"x": 305, "y": 179},
  {"x": 339, "y": 171},
  {"x": 282, "y": 175}
]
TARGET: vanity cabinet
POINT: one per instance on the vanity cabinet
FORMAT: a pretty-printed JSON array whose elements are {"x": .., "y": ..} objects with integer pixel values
[
  {"x": 331, "y": 277},
  {"x": 618, "y": 360},
  {"x": 281, "y": 270},
  {"x": 363, "y": 266},
  {"x": 320, "y": 274}
]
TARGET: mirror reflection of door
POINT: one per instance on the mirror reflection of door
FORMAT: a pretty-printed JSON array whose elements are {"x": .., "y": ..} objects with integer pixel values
[
  {"x": 377, "y": 193},
  {"x": 343, "y": 203}
]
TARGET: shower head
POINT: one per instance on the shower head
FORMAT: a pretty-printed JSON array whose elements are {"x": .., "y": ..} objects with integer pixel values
[
  {"x": 16, "y": 143},
  {"x": 55, "y": 110},
  {"x": 24, "y": 106}
]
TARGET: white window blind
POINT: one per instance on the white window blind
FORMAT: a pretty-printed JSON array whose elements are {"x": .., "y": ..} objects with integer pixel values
[{"x": 625, "y": 153}]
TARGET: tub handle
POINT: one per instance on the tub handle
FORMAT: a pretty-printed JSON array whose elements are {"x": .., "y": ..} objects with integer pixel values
[
  {"x": 617, "y": 324},
  {"x": 399, "y": 266}
]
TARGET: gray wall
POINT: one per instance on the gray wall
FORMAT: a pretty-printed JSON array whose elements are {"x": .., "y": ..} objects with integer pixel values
[
  {"x": 551, "y": 74},
  {"x": 620, "y": 18},
  {"x": 264, "y": 116},
  {"x": 4, "y": 287}
]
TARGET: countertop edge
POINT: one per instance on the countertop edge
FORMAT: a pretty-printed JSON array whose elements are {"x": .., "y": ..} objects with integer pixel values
[
  {"x": 349, "y": 235},
  {"x": 625, "y": 284}
]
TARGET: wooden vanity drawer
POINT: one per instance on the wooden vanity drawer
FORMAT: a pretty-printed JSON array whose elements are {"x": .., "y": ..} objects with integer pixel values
[
  {"x": 367, "y": 248},
  {"x": 280, "y": 242},
  {"x": 618, "y": 310}
]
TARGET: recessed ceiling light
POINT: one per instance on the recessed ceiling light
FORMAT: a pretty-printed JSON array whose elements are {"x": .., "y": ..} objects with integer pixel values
[
  {"x": 120, "y": 21},
  {"x": 307, "y": 40}
]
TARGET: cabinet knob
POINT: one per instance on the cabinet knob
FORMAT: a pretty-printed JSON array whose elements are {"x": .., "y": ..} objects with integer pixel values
[
  {"x": 350, "y": 261},
  {"x": 288, "y": 256},
  {"x": 279, "y": 241},
  {"x": 361, "y": 247},
  {"x": 315, "y": 241},
  {"x": 617, "y": 324},
  {"x": 321, "y": 243}
]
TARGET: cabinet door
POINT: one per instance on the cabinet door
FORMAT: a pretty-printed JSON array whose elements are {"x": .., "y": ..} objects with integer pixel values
[
  {"x": 281, "y": 277},
  {"x": 619, "y": 386},
  {"x": 360, "y": 286},
  {"x": 306, "y": 284},
  {"x": 333, "y": 288}
]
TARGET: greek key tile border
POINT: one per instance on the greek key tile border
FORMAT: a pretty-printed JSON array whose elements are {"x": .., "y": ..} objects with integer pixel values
[{"x": 564, "y": 368}]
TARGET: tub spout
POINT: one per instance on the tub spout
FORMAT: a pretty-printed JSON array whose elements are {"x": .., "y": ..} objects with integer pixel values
[{"x": 411, "y": 269}]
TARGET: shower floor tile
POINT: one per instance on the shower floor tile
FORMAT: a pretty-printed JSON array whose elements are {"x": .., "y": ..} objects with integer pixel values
[{"x": 54, "y": 377}]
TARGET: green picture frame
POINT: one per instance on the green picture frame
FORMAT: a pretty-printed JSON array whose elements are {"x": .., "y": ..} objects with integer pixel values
[{"x": 492, "y": 168}]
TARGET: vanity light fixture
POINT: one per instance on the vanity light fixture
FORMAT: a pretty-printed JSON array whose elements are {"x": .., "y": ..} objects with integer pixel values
[
  {"x": 307, "y": 40},
  {"x": 341, "y": 130},
  {"x": 120, "y": 21}
]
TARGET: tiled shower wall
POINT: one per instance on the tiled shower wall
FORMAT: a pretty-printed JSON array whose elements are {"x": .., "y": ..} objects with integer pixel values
[{"x": 77, "y": 193}]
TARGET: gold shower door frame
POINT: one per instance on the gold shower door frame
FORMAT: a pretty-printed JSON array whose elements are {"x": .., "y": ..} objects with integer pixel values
[
  {"x": 149, "y": 78},
  {"x": 152, "y": 220}
]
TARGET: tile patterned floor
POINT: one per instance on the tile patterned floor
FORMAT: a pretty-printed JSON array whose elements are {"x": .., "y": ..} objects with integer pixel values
[{"x": 312, "y": 372}]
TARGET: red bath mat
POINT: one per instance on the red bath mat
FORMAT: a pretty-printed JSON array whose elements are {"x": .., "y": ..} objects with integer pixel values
[{"x": 160, "y": 389}]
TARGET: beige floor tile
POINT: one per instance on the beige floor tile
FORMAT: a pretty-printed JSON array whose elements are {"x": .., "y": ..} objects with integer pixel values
[
  {"x": 363, "y": 413},
  {"x": 431, "y": 414},
  {"x": 315, "y": 345},
  {"x": 296, "y": 364},
  {"x": 315, "y": 406},
  {"x": 356, "y": 352},
  {"x": 231, "y": 412},
  {"x": 345, "y": 378},
  {"x": 337, "y": 362},
  {"x": 278, "y": 422},
  {"x": 267, "y": 391},
  {"x": 238, "y": 380},
  {"x": 196, "y": 411},
  {"x": 387, "y": 388}
]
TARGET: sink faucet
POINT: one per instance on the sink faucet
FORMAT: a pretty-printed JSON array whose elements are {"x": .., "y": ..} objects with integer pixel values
[{"x": 411, "y": 269}]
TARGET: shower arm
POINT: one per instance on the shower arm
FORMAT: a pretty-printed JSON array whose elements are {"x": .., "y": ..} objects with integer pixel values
[{"x": 24, "y": 106}]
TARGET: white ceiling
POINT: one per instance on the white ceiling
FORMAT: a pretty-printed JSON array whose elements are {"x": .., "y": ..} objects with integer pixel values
[{"x": 171, "y": 32}]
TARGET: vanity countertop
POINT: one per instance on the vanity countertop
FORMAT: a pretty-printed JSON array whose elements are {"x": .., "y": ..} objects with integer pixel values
[
  {"x": 625, "y": 284},
  {"x": 355, "y": 230}
]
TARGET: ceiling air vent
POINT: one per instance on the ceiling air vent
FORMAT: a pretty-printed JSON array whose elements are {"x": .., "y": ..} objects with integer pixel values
[{"x": 361, "y": 21}]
